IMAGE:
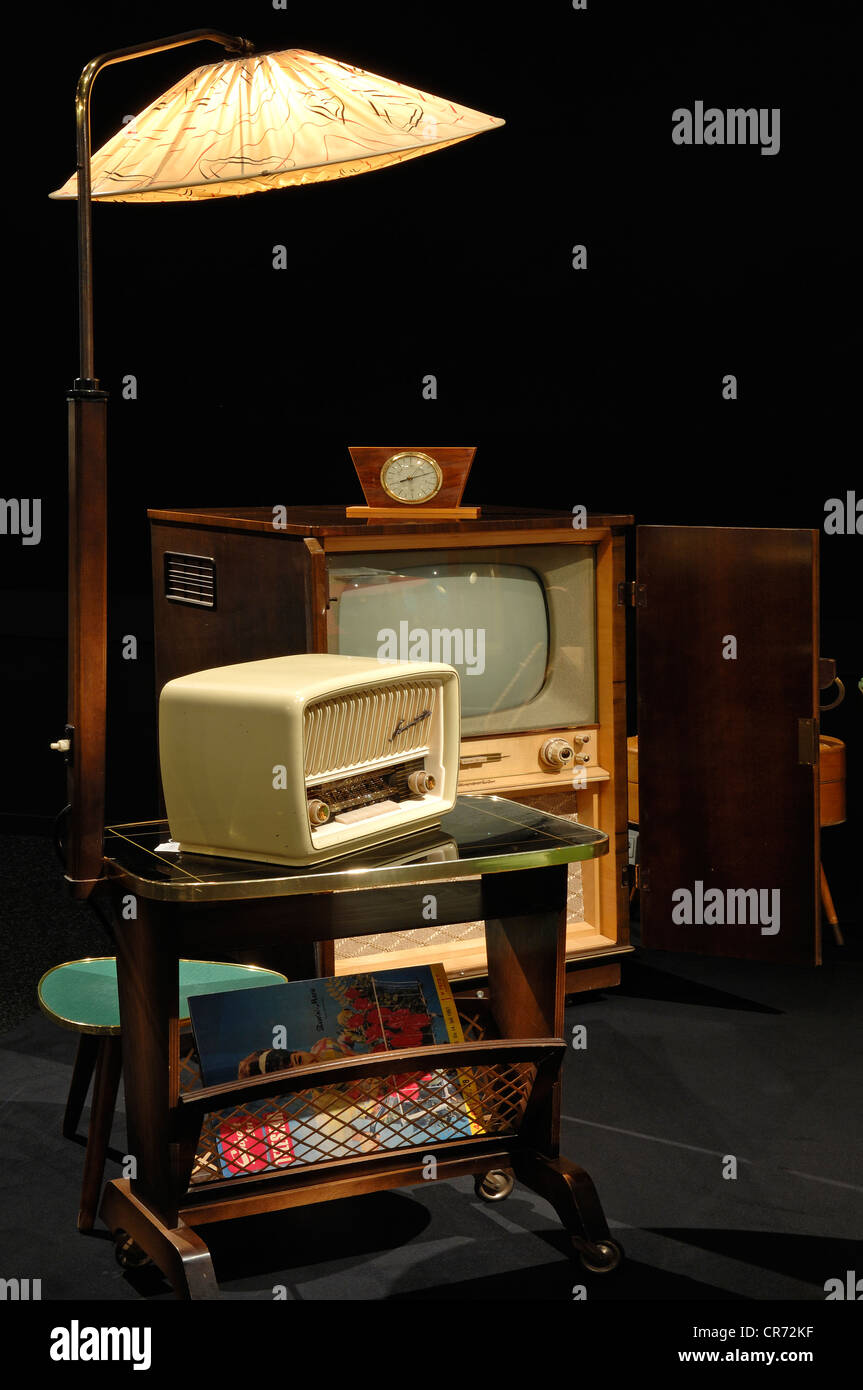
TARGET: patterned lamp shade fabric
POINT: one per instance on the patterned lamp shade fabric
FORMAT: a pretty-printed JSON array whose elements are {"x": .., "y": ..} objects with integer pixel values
[{"x": 270, "y": 120}]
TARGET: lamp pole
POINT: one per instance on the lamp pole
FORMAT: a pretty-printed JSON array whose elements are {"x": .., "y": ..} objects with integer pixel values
[{"x": 84, "y": 741}]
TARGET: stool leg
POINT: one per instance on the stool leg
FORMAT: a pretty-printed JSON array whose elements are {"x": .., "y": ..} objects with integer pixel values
[
  {"x": 830, "y": 910},
  {"x": 108, "y": 1068},
  {"x": 85, "y": 1061}
]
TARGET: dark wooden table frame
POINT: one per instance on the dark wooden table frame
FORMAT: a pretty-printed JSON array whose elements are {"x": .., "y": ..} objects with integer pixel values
[{"x": 525, "y": 915}]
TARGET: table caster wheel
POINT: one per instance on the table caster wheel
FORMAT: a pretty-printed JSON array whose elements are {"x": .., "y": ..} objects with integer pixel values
[
  {"x": 493, "y": 1186},
  {"x": 128, "y": 1253},
  {"x": 605, "y": 1256}
]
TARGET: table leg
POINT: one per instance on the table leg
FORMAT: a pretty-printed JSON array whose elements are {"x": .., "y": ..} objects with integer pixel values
[
  {"x": 571, "y": 1192},
  {"x": 179, "y": 1252},
  {"x": 526, "y": 971},
  {"x": 527, "y": 979},
  {"x": 147, "y": 982}
]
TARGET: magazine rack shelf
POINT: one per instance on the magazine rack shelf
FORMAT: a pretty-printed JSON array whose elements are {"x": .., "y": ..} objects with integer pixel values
[
  {"x": 504, "y": 863},
  {"x": 504, "y": 1081}
]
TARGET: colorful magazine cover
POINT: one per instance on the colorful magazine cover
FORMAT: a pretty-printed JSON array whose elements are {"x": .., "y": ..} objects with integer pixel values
[{"x": 246, "y": 1033}]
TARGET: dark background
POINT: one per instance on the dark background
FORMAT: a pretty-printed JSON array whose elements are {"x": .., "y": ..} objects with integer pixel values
[{"x": 600, "y": 387}]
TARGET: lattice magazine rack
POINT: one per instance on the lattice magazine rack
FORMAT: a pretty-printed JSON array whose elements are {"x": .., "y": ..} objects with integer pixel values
[{"x": 356, "y": 1109}]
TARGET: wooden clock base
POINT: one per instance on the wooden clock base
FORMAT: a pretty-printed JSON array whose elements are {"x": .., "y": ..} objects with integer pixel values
[{"x": 414, "y": 513}]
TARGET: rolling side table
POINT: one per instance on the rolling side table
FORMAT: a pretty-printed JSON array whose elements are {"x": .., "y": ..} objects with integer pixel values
[{"x": 489, "y": 859}]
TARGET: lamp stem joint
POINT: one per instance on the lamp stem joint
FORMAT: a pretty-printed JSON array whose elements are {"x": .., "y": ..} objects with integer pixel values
[{"x": 87, "y": 387}]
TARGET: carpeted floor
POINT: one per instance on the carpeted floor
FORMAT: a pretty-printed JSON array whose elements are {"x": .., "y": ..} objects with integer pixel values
[{"x": 690, "y": 1063}]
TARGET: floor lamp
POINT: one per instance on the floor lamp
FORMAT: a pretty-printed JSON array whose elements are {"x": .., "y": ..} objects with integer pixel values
[{"x": 248, "y": 123}]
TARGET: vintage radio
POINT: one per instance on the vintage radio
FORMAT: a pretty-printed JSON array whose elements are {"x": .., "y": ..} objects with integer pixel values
[{"x": 302, "y": 758}]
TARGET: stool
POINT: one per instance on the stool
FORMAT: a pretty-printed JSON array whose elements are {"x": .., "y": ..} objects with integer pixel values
[
  {"x": 82, "y": 995},
  {"x": 831, "y": 775}
]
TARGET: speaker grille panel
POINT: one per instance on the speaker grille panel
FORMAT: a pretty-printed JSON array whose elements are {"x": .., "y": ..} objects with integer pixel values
[
  {"x": 371, "y": 726},
  {"x": 190, "y": 579}
]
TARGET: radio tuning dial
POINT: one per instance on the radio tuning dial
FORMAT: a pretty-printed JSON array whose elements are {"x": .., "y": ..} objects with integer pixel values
[
  {"x": 421, "y": 782},
  {"x": 556, "y": 753},
  {"x": 319, "y": 812}
]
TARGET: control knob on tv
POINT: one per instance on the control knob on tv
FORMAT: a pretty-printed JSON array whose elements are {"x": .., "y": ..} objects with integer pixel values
[{"x": 557, "y": 753}]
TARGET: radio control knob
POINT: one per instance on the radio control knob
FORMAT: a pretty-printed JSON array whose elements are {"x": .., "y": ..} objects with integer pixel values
[
  {"x": 421, "y": 782},
  {"x": 319, "y": 812},
  {"x": 556, "y": 753}
]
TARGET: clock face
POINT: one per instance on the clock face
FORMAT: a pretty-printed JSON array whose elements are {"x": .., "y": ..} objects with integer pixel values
[{"x": 411, "y": 477}]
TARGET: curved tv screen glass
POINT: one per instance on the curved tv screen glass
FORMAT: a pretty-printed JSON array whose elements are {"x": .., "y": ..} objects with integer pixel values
[{"x": 488, "y": 620}]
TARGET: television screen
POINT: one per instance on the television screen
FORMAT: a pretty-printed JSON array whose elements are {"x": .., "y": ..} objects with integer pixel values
[
  {"x": 489, "y": 621},
  {"x": 518, "y": 622}
]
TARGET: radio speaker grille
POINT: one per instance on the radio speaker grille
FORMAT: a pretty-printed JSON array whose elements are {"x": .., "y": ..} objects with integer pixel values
[{"x": 370, "y": 726}]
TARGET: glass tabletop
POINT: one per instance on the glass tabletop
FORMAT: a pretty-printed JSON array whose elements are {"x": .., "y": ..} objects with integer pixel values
[{"x": 480, "y": 835}]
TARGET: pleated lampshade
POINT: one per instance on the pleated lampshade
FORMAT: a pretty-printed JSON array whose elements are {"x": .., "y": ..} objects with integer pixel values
[{"x": 270, "y": 120}]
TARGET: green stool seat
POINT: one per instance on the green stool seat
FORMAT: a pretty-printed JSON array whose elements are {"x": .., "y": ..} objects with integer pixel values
[{"x": 82, "y": 995}]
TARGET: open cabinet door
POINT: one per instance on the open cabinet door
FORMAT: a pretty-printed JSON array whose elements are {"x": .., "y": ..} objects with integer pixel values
[{"x": 727, "y": 623}]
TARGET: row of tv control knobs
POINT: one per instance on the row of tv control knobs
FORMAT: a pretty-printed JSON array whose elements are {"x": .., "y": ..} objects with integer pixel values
[{"x": 557, "y": 754}]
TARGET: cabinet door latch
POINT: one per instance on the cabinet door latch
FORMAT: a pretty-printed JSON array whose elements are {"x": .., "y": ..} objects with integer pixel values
[{"x": 807, "y": 742}]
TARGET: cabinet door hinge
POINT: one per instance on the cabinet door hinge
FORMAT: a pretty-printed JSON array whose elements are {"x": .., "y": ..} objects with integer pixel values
[{"x": 631, "y": 594}]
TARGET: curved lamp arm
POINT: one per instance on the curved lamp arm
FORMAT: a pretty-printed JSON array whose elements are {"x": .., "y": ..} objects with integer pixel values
[{"x": 234, "y": 44}]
